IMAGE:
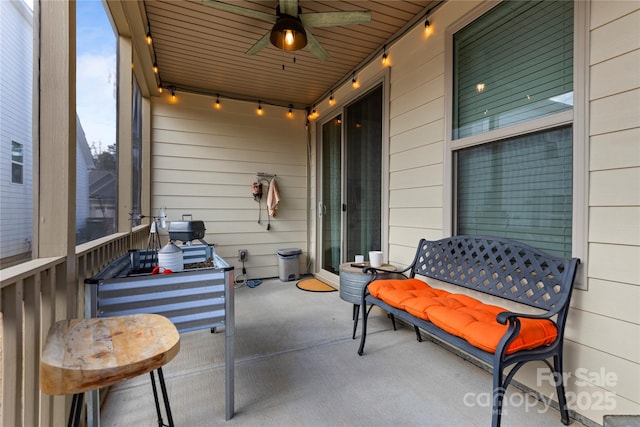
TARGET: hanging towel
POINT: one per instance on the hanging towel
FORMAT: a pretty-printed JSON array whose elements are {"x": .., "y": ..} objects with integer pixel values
[{"x": 273, "y": 198}]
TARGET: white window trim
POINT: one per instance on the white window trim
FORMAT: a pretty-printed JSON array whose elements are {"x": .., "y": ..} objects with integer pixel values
[{"x": 579, "y": 117}]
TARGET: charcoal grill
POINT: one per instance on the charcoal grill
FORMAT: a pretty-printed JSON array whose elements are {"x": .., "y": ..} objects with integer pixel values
[{"x": 187, "y": 231}]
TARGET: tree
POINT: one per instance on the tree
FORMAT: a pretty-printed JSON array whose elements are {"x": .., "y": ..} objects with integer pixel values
[{"x": 107, "y": 159}]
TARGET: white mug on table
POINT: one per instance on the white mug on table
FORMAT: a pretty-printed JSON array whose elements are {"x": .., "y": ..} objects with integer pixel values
[{"x": 375, "y": 258}]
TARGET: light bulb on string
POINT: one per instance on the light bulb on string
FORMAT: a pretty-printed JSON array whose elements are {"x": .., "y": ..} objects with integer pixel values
[
  {"x": 385, "y": 57},
  {"x": 290, "y": 112},
  {"x": 354, "y": 82},
  {"x": 173, "y": 94},
  {"x": 218, "y": 105},
  {"x": 332, "y": 100},
  {"x": 260, "y": 111},
  {"x": 148, "y": 38},
  {"x": 427, "y": 27},
  {"x": 155, "y": 67}
]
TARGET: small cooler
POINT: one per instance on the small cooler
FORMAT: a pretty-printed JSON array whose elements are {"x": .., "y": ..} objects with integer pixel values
[{"x": 289, "y": 264}]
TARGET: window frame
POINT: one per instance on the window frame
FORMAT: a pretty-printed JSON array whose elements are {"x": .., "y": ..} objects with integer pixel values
[{"x": 577, "y": 118}]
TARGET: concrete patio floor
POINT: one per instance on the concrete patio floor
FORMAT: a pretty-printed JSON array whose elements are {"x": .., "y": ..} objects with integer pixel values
[{"x": 296, "y": 365}]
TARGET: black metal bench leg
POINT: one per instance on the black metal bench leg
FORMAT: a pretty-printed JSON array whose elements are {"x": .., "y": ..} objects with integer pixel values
[
  {"x": 418, "y": 335},
  {"x": 76, "y": 410},
  {"x": 562, "y": 399},
  {"x": 356, "y": 314},
  {"x": 165, "y": 398},
  {"x": 498, "y": 395},
  {"x": 363, "y": 337}
]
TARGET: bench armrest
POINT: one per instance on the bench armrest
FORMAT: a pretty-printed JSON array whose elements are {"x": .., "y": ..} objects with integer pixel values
[{"x": 507, "y": 316}]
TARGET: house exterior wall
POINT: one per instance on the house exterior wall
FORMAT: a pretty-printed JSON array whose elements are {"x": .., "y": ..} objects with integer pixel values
[
  {"x": 15, "y": 89},
  {"x": 602, "y": 346},
  {"x": 204, "y": 161},
  {"x": 84, "y": 162}
]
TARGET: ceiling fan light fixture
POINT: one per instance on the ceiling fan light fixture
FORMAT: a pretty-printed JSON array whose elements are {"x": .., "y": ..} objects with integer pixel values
[{"x": 288, "y": 33}]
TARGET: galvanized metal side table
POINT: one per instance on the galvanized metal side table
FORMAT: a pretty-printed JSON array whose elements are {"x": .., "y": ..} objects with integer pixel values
[{"x": 352, "y": 280}]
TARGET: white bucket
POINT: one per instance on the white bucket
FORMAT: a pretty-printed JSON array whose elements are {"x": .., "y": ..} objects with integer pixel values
[{"x": 170, "y": 257}]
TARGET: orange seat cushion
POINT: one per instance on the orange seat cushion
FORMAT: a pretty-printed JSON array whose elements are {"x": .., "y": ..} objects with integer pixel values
[{"x": 461, "y": 315}]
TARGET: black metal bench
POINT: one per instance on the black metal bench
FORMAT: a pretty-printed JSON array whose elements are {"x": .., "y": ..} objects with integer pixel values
[{"x": 503, "y": 268}]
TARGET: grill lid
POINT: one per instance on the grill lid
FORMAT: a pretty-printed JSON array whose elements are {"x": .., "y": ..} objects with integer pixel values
[{"x": 186, "y": 231}]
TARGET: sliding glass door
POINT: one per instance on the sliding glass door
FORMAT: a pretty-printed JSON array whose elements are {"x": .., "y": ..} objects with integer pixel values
[{"x": 350, "y": 209}]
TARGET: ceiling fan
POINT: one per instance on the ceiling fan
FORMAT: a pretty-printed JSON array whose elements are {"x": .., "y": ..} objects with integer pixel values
[{"x": 291, "y": 27}]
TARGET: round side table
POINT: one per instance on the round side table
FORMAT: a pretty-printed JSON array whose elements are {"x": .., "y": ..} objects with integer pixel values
[{"x": 352, "y": 280}]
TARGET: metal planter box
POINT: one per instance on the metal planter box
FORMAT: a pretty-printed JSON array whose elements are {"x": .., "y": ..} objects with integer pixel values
[{"x": 195, "y": 298}]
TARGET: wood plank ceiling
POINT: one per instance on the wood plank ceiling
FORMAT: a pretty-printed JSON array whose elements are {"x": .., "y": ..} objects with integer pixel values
[{"x": 203, "y": 50}]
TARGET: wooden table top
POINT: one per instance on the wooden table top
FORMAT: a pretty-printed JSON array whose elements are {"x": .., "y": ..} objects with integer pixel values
[{"x": 86, "y": 354}]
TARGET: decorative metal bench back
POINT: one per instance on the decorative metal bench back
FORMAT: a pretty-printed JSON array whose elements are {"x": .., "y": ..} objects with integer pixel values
[{"x": 500, "y": 267}]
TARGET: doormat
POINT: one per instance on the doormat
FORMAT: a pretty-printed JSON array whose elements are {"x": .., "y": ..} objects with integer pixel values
[{"x": 314, "y": 285}]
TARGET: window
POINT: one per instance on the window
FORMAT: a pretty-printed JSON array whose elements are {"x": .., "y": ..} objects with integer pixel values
[
  {"x": 17, "y": 163},
  {"x": 136, "y": 152},
  {"x": 519, "y": 188},
  {"x": 96, "y": 145},
  {"x": 512, "y": 132},
  {"x": 512, "y": 65}
]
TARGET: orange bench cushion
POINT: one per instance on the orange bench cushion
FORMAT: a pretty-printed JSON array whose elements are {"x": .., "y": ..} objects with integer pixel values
[{"x": 461, "y": 315}]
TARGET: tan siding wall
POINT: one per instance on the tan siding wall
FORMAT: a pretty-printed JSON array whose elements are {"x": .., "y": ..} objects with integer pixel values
[
  {"x": 606, "y": 319},
  {"x": 204, "y": 162}
]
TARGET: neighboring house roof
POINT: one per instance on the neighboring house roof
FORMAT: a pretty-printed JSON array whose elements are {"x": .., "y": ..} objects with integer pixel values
[{"x": 102, "y": 184}]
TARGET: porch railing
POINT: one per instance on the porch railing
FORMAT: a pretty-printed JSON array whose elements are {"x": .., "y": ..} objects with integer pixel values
[{"x": 32, "y": 297}]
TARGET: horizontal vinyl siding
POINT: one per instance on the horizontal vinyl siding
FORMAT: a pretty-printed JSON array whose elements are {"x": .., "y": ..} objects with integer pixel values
[
  {"x": 416, "y": 142},
  {"x": 604, "y": 326},
  {"x": 204, "y": 162},
  {"x": 16, "y": 204}
]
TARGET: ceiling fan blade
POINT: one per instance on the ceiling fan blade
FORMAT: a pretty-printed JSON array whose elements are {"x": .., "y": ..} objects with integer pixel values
[
  {"x": 289, "y": 7},
  {"x": 240, "y": 10},
  {"x": 260, "y": 44},
  {"x": 329, "y": 19},
  {"x": 314, "y": 46}
]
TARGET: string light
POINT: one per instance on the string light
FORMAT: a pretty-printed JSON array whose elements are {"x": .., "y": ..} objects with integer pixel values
[
  {"x": 332, "y": 100},
  {"x": 260, "y": 111},
  {"x": 173, "y": 94},
  {"x": 148, "y": 38},
  {"x": 427, "y": 26},
  {"x": 218, "y": 105},
  {"x": 159, "y": 88},
  {"x": 385, "y": 57},
  {"x": 155, "y": 67},
  {"x": 354, "y": 82},
  {"x": 290, "y": 113}
]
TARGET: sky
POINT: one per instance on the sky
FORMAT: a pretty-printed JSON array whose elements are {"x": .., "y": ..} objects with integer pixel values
[{"x": 96, "y": 82}]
